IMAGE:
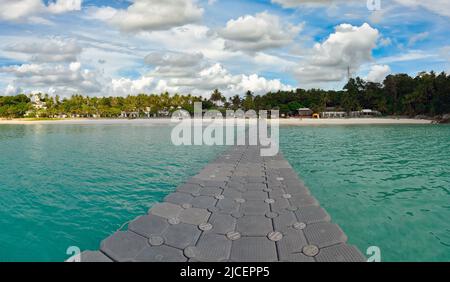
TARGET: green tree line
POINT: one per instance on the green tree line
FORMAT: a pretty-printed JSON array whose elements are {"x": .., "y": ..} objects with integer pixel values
[{"x": 427, "y": 94}]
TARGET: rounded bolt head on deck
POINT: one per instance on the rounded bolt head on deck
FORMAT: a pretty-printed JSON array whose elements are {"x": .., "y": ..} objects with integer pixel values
[
  {"x": 205, "y": 226},
  {"x": 186, "y": 206},
  {"x": 287, "y": 196},
  {"x": 189, "y": 252},
  {"x": 275, "y": 236},
  {"x": 293, "y": 209},
  {"x": 299, "y": 225},
  {"x": 212, "y": 176},
  {"x": 156, "y": 240},
  {"x": 174, "y": 221},
  {"x": 196, "y": 194},
  {"x": 219, "y": 197},
  {"x": 159, "y": 258},
  {"x": 233, "y": 235},
  {"x": 311, "y": 250},
  {"x": 269, "y": 201},
  {"x": 280, "y": 178},
  {"x": 240, "y": 200}
]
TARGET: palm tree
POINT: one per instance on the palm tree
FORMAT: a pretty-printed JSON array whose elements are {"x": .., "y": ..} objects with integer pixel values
[
  {"x": 248, "y": 101},
  {"x": 217, "y": 98},
  {"x": 235, "y": 102}
]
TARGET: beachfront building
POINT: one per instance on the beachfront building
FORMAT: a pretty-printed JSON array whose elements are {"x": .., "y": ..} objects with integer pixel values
[
  {"x": 164, "y": 113},
  {"x": 148, "y": 112},
  {"x": 333, "y": 114},
  {"x": 305, "y": 112},
  {"x": 365, "y": 113},
  {"x": 38, "y": 105},
  {"x": 370, "y": 113},
  {"x": 130, "y": 115}
]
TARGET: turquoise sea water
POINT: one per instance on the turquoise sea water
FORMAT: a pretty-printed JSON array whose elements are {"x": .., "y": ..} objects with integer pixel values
[
  {"x": 386, "y": 186},
  {"x": 73, "y": 185}
]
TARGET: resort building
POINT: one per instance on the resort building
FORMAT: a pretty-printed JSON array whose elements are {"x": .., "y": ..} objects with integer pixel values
[
  {"x": 333, "y": 114},
  {"x": 305, "y": 112},
  {"x": 37, "y": 106},
  {"x": 37, "y": 103},
  {"x": 365, "y": 113},
  {"x": 130, "y": 115},
  {"x": 148, "y": 112}
]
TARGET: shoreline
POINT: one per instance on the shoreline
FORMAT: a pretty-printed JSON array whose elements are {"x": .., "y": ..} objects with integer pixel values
[
  {"x": 291, "y": 121},
  {"x": 355, "y": 121}
]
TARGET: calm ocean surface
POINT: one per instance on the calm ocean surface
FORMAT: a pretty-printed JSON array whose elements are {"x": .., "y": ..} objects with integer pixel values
[
  {"x": 73, "y": 185},
  {"x": 386, "y": 186}
]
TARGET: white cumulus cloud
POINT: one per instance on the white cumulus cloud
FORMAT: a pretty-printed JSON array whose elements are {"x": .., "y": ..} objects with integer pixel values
[
  {"x": 348, "y": 47},
  {"x": 47, "y": 50},
  {"x": 125, "y": 86},
  {"x": 63, "y": 6},
  {"x": 378, "y": 73},
  {"x": 193, "y": 73},
  {"x": 12, "y": 89},
  {"x": 216, "y": 76},
  {"x": 150, "y": 15},
  {"x": 259, "y": 32},
  {"x": 261, "y": 85},
  {"x": 13, "y": 10},
  {"x": 33, "y": 10},
  {"x": 67, "y": 79}
]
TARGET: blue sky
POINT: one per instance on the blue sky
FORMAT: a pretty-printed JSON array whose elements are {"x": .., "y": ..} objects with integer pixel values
[{"x": 119, "y": 47}]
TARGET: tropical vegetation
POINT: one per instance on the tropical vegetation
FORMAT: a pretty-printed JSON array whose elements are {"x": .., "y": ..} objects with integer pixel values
[{"x": 427, "y": 94}]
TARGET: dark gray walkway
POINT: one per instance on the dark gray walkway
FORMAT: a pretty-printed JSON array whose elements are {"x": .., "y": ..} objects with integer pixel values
[{"x": 241, "y": 207}]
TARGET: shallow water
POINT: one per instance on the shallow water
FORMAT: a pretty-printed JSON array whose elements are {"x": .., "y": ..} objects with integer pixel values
[
  {"x": 73, "y": 185},
  {"x": 386, "y": 186}
]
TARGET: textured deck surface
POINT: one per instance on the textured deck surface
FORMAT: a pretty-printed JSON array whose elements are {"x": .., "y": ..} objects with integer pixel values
[{"x": 241, "y": 207}]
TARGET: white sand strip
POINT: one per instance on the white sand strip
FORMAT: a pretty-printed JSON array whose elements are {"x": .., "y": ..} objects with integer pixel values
[{"x": 291, "y": 121}]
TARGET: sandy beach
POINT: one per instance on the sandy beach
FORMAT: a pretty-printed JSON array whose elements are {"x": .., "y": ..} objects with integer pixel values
[
  {"x": 353, "y": 121},
  {"x": 291, "y": 121}
]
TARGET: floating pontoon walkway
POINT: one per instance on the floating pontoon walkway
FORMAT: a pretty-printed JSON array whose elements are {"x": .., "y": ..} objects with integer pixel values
[{"x": 241, "y": 207}]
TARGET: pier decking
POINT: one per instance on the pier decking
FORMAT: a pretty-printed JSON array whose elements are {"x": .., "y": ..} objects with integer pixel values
[{"x": 241, "y": 207}]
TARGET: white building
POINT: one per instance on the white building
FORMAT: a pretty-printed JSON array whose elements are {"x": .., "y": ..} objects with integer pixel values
[
  {"x": 333, "y": 114},
  {"x": 365, "y": 113},
  {"x": 37, "y": 103},
  {"x": 37, "y": 106}
]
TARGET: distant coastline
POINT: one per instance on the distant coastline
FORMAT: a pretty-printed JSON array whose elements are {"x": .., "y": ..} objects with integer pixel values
[{"x": 287, "y": 121}]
